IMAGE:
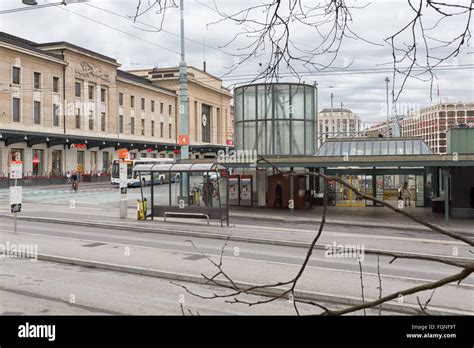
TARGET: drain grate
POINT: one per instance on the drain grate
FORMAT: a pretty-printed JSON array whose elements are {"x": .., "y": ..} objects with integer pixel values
[
  {"x": 194, "y": 257},
  {"x": 91, "y": 245}
]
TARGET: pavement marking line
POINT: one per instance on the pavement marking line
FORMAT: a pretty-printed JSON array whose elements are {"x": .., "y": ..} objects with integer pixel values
[
  {"x": 390, "y": 306},
  {"x": 346, "y": 234},
  {"x": 244, "y": 239},
  {"x": 334, "y": 233},
  {"x": 250, "y": 259}
]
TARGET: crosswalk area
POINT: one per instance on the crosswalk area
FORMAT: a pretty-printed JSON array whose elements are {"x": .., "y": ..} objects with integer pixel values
[{"x": 47, "y": 195}]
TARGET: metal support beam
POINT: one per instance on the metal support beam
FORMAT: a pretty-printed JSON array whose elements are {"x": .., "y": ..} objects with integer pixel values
[
  {"x": 54, "y": 142},
  {"x": 292, "y": 193},
  {"x": 15, "y": 140},
  {"x": 36, "y": 140}
]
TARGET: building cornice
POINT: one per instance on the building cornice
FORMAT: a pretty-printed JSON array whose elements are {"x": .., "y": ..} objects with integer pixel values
[
  {"x": 80, "y": 51},
  {"x": 32, "y": 53},
  {"x": 153, "y": 88}
]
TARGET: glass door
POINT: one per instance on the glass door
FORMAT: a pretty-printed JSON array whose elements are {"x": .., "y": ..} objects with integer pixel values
[
  {"x": 420, "y": 191},
  {"x": 345, "y": 197},
  {"x": 357, "y": 181},
  {"x": 379, "y": 187}
]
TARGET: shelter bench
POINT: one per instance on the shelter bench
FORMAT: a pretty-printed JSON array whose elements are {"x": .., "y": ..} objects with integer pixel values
[{"x": 187, "y": 215}]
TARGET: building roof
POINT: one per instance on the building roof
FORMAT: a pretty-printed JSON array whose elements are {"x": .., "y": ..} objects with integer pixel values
[
  {"x": 394, "y": 146},
  {"x": 26, "y": 44},
  {"x": 141, "y": 80},
  {"x": 65, "y": 44}
]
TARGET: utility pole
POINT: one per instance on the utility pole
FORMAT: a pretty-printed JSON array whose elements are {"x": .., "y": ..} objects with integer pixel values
[
  {"x": 277, "y": 57},
  {"x": 387, "y": 80},
  {"x": 183, "y": 100},
  {"x": 332, "y": 108},
  {"x": 317, "y": 115}
]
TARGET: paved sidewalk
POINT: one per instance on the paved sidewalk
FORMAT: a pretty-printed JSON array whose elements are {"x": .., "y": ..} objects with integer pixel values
[
  {"x": 359, "y": 216},
  {"x": 316, "y": 284}
]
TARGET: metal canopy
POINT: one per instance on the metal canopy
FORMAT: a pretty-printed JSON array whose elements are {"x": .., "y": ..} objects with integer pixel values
[
  {"x": 374, "y": 147},
  {"x": 179, "y": 167}
]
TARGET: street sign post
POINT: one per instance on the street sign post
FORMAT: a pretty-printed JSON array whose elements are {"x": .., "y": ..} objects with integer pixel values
[
  {"x": 16, "y": 192},
  {"x": 123, "y": 176}
]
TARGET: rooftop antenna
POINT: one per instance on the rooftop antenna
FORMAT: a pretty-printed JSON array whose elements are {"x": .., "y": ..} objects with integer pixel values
[{"x": 204, "y": 65}]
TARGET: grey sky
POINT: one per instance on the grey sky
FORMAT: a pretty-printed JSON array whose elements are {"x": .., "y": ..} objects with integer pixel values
[{"x": 363, "y": 93}]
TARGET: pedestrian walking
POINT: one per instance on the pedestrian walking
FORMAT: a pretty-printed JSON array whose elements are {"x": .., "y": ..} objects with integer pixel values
[
  {"x": 406, "y": 194},
  {"x": 75, "y": 184},
  {"x": 68, "y": 177}
]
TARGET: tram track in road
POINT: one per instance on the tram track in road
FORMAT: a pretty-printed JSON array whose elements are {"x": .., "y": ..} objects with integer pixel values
[
  {"x": 180, "y": 276},
  {"x": 273, "y": 253},
  {"x": 225, "y": 235}
]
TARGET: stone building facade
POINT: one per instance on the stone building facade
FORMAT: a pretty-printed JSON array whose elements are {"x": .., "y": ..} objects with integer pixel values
[{"x": 64, "y": 107}]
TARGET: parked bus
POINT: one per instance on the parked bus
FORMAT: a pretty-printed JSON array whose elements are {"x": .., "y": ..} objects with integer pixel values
[{"x": 133, "y": 179}]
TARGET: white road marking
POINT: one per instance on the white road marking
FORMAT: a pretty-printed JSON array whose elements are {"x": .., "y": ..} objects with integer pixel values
[
  {"x": 248, "y": 259},
  {"x": 346, "y": 234}
]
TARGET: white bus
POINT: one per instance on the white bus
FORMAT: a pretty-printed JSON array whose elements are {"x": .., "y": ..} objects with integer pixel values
[{"x": 133, "y": 177}]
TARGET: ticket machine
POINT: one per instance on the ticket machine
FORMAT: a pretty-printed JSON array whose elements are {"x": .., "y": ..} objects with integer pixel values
[
  {"x": 246, "y": 188},
  {"x": 234, "y": 190}
]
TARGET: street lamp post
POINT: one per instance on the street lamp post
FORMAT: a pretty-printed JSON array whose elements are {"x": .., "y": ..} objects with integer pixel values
[
  {"x": 183, "y": 100},
  {"x": 387, "y": 80}
]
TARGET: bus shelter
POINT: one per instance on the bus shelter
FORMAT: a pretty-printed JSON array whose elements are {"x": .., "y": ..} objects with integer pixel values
[{"x": 188, "y": 190}]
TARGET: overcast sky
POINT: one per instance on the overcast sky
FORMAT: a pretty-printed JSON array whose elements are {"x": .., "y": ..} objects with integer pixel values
[{"x": 112, "y": 35}]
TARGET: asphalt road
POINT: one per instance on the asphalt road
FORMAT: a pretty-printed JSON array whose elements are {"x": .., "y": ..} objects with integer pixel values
[
  {"x": 22, "y": 280},
  {"x": 45, "y": 288},
  {"x": 405, "y": 272}
]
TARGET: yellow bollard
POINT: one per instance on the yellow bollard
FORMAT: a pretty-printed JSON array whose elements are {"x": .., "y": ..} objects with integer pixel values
[{"x": 140, "y": 210}]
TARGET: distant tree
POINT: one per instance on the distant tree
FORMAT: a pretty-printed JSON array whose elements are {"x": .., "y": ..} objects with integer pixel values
[{"x": 268, "y": 29}]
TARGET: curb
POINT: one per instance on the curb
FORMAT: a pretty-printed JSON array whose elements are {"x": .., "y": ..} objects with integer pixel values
[
  {"x": 409, "y": 309},
  {"x": 276, "y": 242},
  {"x": 290, "y": 218}
]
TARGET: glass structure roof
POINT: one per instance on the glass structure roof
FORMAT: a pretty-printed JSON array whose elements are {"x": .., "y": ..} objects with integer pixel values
[
  {"x": 179, "y": 167},
  {"x": 374, "y": 147}
]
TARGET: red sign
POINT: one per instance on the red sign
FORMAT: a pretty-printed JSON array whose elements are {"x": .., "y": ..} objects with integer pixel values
[
  {"x": 78, "y": 146},
  {"x": 149, "y": 150},
  {"x": 122, "y": 154},
  {"x": 176, "y": 152},
  {"x": 183, "y": 140}
]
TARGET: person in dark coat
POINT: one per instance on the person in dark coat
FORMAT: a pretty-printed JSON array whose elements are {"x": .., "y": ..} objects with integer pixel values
[
  {"x": 278, "y": 196},
  {"x": 471, "y": 196},
  {"x": 208, "y": 192}
]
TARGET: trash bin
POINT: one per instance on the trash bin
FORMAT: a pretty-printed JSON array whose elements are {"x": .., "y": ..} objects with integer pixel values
[{"x": 142, "y": 207}]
